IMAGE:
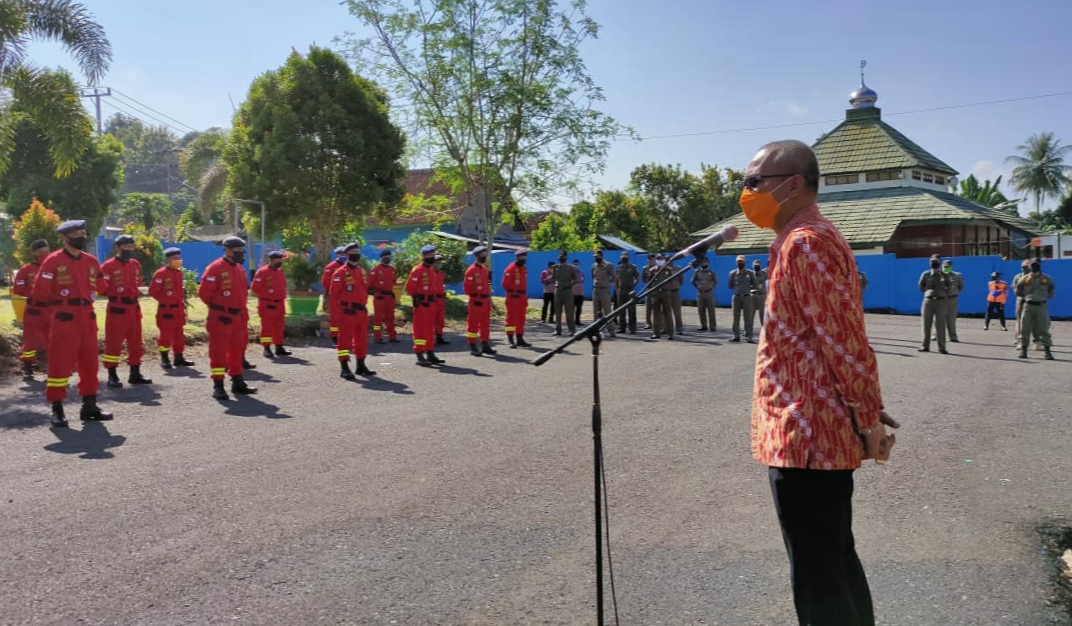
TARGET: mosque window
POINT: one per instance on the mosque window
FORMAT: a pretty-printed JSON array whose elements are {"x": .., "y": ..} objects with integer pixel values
[
  {"x": 846, "y": 179},
  {"x": 940, "y": 180},
  {"x": 917, "y": 175},
  {"x": 874, "y": 177},
  {"x": 928, "y": 178}
]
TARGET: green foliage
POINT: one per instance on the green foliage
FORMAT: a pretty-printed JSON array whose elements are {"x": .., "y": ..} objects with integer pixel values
[
  {"x": 1048, "y": 221},
  {"x": 619, "y": 213},
  {"x": 147, "y": 250},
  {"x": 38, "y": 222},
  {"x": 202, "y": 162},
  {"x": 302, "y": 273},
  {"x": 150, "y": 158},
  {"x": 148, "y": 210},
  {"x": 407, "y": 255},
  {"x": 1040, "y": 169},
  {"x": 681, "y": 203},
  {"x": 190, "y": 218},
  {"x": 987, "y": 194},
  {"x": 189, "y": 285},
  {"x": 7, "y": 243},
  {"x": 86, "y": 193},
  {"x": 314, "y": 142},
  {"x": 499, "y": 93},
  {"x": 556, "y": 232}
]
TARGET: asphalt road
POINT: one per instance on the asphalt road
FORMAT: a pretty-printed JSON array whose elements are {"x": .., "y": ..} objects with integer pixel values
[{"x": 463, "y": 496}]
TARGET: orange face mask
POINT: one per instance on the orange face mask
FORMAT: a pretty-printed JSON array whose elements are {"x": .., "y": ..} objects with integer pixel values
[
  {"x": 760, "y": 207},
  {"x": 176, "y": 263}
]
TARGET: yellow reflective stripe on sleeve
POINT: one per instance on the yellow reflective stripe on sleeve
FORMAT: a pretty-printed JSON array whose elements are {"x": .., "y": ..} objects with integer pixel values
[{"x": 334, "y": 329}]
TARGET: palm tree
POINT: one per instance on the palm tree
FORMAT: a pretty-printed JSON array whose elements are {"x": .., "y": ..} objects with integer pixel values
[
  {"x": 1040, "y": 171},
  {"x": 987, "y": 194},
  {"x": 49, "y": 97},
  {"x": 202, "y": 162}
]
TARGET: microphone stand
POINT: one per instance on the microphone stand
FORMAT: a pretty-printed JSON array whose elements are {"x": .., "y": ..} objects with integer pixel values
[{"x": 594, "y": 334}]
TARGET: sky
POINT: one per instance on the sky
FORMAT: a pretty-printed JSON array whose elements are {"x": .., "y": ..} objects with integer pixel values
[{"x": 704, "y": 81}]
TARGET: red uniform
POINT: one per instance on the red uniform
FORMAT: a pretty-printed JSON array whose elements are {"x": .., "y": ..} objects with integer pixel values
[
  {"x": 119, "y": 282},
  {"x": 35, "y": 321},
  {"x": 270, "y": 286},
  {"x": 168, "y": 289},
  {"x": 421, "y": 286},
  {"x": 477, "y": 286},
  {"x": 349, "y": 292},
  {"x": 515, "y": 282},
  {"x": 68, "y": 284},
  {"x": 224, "y": 289},
  {"x": 382, "y": 280},
  {"x": 440, "y": 302},
  {"x": 325, "y": 282}
]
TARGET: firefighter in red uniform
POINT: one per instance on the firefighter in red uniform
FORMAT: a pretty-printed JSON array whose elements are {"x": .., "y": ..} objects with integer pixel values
[
  {"x": 338, "y": 260},
  {"x": 349, "y": 292},
  {"x": 515, "y": 282},
  {"x": 421, "y": 287},
  {"x": 477, "y": 286},
  {"x": 440, "y": 301},
  {"x": 67, "y": 280},
  {"x": 119, "y": 282},
  {"x": 225, "y": 291},
  {"x": 35, "y": 320},
  {"x": 382, "y": 286},
  {"x": 168, "y": 288},
  {"x": 270, "y": 287}
]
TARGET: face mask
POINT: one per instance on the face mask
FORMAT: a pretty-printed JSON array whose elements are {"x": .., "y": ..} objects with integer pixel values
[
  {"x": 428, "y": 262},
  {"x": 78, "y": 243},
  {"x": 704, "y": 266},
  {"x": 947, "y": 270},
  {"x": 756, "y": 269},
  {"x": 126, "y": 255},
  {"x": 761, "y": 207},
  {"x": 520, "y": 262},
  {"x": 935, "y": 265},
  {"x": 481, "y": 259},
  {"x": 740, "y": 265},
  {"x": 562, "y": 261},
  {"x": 599, "y": 259},
  {"x": 1035, "y": 268},
  {"x": 353, "y": 258},
  {"x": 276, "y": 266},
  {"x": 660, "y": 263},
  {"x": 238, "y": 257},
  {"x": 176, "y": 263},
  {"x": 1025, "y": 270},
  {"x": 386, "y": 260}
]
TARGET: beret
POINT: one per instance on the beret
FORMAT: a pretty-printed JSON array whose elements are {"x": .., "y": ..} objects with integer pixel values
[
  {"x": 276, "y": 254},
  {"x": 351, "y": 246},
  {"x": 479, "y": 249},
  {"x": 38, "y": 244},
  {"x": 124, "y": 239},
  {"x": 429, "y": 249},
  {"x": 71, "y": 225},
  {"x": 234, "y": 242},
  {"x": 384, "y": 253},
  {"x": 172, "y": 252}
]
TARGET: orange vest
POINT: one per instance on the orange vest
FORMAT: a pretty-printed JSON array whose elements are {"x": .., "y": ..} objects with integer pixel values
[{"x": 998, "y": 291}]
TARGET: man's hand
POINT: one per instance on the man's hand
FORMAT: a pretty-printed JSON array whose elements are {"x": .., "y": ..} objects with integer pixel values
[{"x": 877, "y": 443}]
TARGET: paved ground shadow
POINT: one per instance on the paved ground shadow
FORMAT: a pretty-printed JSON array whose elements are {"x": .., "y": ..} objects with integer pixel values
[
  {"x": 93, "y": 441},
  {"x": 144, "y": 395},
  {"x": 183, "y": 372},
  {"x": 461, "y": 371},
  {"x": 248, "y": 406},
  {"x": 379, "y": 384},
  {"x": 18, "y": 413},
  {"x": 291, "y": 360},
  {"x": 258, "y": 376}
]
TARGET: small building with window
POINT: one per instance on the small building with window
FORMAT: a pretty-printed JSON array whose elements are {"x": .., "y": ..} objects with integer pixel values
[{"x": 888, "y": 195}]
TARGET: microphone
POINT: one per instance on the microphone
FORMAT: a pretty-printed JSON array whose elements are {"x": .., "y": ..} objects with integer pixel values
[{"x": 728, "y": 233}]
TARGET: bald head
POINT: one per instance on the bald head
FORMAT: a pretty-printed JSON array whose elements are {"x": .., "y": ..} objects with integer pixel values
[{"x": 792, "y": 157}]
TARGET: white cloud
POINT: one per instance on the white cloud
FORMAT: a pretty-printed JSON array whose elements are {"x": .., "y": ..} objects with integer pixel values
[{"x": 796, "y": 109}]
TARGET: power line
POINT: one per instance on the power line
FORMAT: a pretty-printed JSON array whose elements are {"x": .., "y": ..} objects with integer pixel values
[
  {"x": 125, "y": 96},
  {"x": 138, "y": 115},
  {"x": 834, "y": 121}
]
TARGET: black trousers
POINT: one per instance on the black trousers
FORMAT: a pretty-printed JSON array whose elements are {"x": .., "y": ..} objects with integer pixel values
[
  {"x": 548, "y": 307},
  {"x": 627, "y": 318},
  {"x": 578, "y": 302},
  {"x": 995, "y": 310},
  {"x": 815, "y": 512}
]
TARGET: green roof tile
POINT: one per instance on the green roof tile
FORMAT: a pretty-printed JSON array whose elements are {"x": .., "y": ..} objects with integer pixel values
[{"x": 864, "y": 143}]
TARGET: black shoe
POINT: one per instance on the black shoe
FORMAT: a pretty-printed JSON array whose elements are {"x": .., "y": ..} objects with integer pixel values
[
  {"x": 735, "y": 340},
  {"x": 394, "y": 340},
  {"x": 91, "y": 412},
  {"x": 27, "y": 372},
  {"x": 218, "y": 392},
  {"x": 703, "y": 329},
  {"x": 1049, "y": 355},
  {"x": 510, "y": 338},
  {"x": 113, "y": 379},
  {"x": 655, "y": 336},
  {"x": 344, "y": 370},
  {"x": 924, "y": 350},
  {"x": 281, "y": 351},
  {"x": 246, "y": 365},
  {"x": 954, "y": 340},
  {"x": 647, "y": 326},
  {"x": 473, "y": 350},
  {"x": 165, "y": 360},
  {"x": 136, "y": 378},
  {"x": 180, "y": 361},
  {"x": 670, "y": 337},
  {"x": 941, "y": 351},
  {"x": 59, "y": 420},
  {"x": 1022, "y": 355},
  {"x": 239, "y": 386},
  {"x": 268, "y": 352},
  {"x": 435, "y": 360},
  {"x": 440, "y": 340},
  {"x": 422, "y": 360},
  {"x": 1004, "y": 329},
  {"x": 557, "y": 333},
  {"x": 521, "y": 343},
  {"x": 486, "y": 348},
  {"x": 363, "y": 370},
  {"x": 748, "y": 339}
]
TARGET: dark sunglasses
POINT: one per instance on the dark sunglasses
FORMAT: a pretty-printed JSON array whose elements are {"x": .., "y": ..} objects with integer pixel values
[{"x": 753, "y": 182}]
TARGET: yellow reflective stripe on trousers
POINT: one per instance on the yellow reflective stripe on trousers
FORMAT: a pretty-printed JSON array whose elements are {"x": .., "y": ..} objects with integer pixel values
[
  {"x": 57, "y": 382},
  {"x": 108, "y": 358},
  {"x": 377, "y": 327},
  {"x": 163, "y": 349},
  {"x": 471, "y": 335},
  {"x": 266, "y": 340},
  {"x": 29, "y": 354},
  {"x": 219, "y": 370},
  {"x": 344, "y": 353},
  {"x": 510, "y": 329},
  {"x": 420, "y": 342},
  {"x": 334, "y": 329}
]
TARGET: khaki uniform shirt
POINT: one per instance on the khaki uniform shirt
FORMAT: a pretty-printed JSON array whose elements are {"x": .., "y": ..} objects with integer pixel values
[
  {"x": 628, "y": 277},
  {"x": 565, "y": 276},
  {"x": 704, "y": 280},
  {"x": 742, "y": 282},
  {"x": 956, "y": 284},
  {"x": 934, "y": 284},
  {"x": 603, "y": 276},
  {"x": 1035, "y": 288}
]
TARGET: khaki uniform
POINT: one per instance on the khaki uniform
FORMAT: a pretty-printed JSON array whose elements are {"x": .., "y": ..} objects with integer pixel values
[
  {"x": 675, "y": 301},
  {"x": 705, "y": 282},
  {"x": 759, "y": 298},
  {"x": 952, "y": 304},
  {"x": 649, "y": 270},
  {"x": 742, "y": 282},
  {"x": 659, "y": 301},
  {"x": 1035, "y": 290},
  {"x": 935, "y": 287},
  {"x": 603, "y": 278},
  {"x": 565, "y": 277},
  {"x": 1020, "y": 311},
  {"x": 628, "y": 279}
]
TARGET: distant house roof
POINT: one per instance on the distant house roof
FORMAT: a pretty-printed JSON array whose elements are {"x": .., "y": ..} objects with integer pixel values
[
  {"x": 870, "y": 217},
  {"x": 611, "y": 242},
  {"x": 417, "y": 183},
  {"x": 499, "y": 244},
  {"x": 864, "y": 143}
]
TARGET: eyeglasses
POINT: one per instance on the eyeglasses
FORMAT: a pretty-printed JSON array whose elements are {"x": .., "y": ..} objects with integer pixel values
[{"x": 753, "y": 182}]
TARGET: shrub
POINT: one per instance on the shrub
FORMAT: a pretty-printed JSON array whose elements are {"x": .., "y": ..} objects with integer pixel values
[
  {"x": 38, "y": 222},
  {"x": 147, "y": 250},
  {"x": 408, "y": 255},
  {"x": 303, "y": 274}
]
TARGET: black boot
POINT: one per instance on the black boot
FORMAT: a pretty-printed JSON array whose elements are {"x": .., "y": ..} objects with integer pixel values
[
  {"x": 91, "y": 412},
  {"x": 344, "y": 370},
  {"x": 363, "y": 370},
  {"x": 218, "y": 392},
  {"x": 113, "y": 379},
  {"x": 281, "y": 351},
  {"x": 510, "y": 338},
  {"x": 521, "y": 343},
  {"x": 1023, "y": 353},
  {"x": 246, "y": 365},
  {"x": 59, "y": 420},
  {"x": 1049, "y": 355},
  {"x": 334, "y": 342},
  {"x": 136, "y": 378},
  {"x": 440, "y": 340},
  {"x": 486, "y": 348},
  {"x": 27, "y": 372},
  {"x": 165, "y": 360},
  {"x": 268, "y": 352},
  {"x": 474, "y": 350},
  {"x": 422, "y": 360},
  {"x": 180, "y": 361},
  {"x": 239, "y": 386},
  {"x": 434, "y": 360}
]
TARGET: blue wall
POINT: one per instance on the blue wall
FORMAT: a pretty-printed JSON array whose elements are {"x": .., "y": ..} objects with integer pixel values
[
  {"x": 893, "y": 283},
  {"x": 196, "y": 255}
]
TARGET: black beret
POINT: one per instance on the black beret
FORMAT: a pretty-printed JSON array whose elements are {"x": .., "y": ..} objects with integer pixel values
[
  {"x": 38, "y": 244},
  {"x": 124, "y": 239},
  {"x": 234, "y": 242}
]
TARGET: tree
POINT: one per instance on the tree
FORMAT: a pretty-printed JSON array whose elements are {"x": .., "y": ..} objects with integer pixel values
[
  {"x": 190, "y": 218},
  {"x": 149, "y": 210},
  {"x": 669, "y": 192},
  {"x": 556, "y": 232},
  {"x": 1040, "y": 169},
  {"x": 499, "y": 94},
  {"x": 622, "y": 214},
  {"x": 202, "y": 162},
  {"x": 37, "y": 222},
  {"x": 314, "y": 142},
  {"x": 42, "y": 94},
  {"x": 87, "y": 192},
  {"x": 1048, "y": 221},
  {"x": 147, "y": 250},
  {"x": 408, "y": 255}
]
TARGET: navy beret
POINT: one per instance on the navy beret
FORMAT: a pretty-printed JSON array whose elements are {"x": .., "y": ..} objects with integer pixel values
[
  {"x": 38, "y": 244},
  {"x": 352, "y": 246},
  {"x": 339, "y": 251},
  {"x": 123, "y": 239},
  {"x": 71, "y": 225},
  {"x": 384, "y": 253},
  {"x": 521, "y": 252},
  {"x": 479, "y": 249},
  {"x": 234, "y": 242},
  {"x": 172, "y": 252},
  {"x": 276, "y": 254},
  {"x": 429, "y": 249}
]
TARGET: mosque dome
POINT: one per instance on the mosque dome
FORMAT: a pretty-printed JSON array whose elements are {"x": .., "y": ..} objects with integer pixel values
[{"x": 863, "y": 98}]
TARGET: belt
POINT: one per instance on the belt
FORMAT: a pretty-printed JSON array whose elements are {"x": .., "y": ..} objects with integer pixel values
[
  {"x": 353, "y": 305},
  {"x": 169, "y": 306},
  {"x": 72, "y": 302},
  {"x": 220, "y": 307},
  {"x": 122, "y": 300},
  {"x": 935, "y": 297},
  {"x": 479, "y": 295},
  {"x": 263, "y": 301},
  {"x": 385, "y": 292},
  {"x": 37, "y": 303},
  {"x": 1035, "y": 302}
]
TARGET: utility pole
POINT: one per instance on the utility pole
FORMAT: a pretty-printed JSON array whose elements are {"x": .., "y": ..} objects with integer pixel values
[{"x": 96, "y": 94}]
